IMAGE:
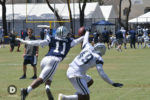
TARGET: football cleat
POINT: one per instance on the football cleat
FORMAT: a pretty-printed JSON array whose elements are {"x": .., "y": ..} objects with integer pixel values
[
  {"x": 24, "y": 94},
  {"x": 23, "y": 77},
  {"x": 49, "y": 94},
  {"x": 61, "y": 96},
  {"x": 34, "y": 77}
]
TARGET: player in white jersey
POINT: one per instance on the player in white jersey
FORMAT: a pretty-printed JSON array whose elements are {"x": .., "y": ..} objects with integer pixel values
[
  {"x": 59, "y": 47},
  {"x": 124, "y": 36},
  {"x": 89, "y": 57}
]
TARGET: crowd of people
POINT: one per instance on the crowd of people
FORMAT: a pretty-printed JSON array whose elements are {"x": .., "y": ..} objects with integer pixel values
[{"x": 141, "y": 36}]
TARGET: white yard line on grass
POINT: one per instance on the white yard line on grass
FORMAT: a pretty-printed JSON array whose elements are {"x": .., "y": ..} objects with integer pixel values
[{"x": 10, "y": 64}]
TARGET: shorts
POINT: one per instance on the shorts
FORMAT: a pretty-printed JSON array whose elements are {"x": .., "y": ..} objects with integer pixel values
[
  {"x": 120, "y": 41},
  {"x": 49, "y": 65},
  {"x": 30, "y": 60},
  {"x": 80, "y": 85}
]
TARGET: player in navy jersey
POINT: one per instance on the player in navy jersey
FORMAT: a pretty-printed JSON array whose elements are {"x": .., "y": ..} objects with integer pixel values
[
  {"x": 89, "y": 57},
  {"x": 59, "y": 47}
]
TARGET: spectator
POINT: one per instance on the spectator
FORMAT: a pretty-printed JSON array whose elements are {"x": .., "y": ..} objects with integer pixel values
[
  {"x": 1, "y": 38},
  {"x": 119, "y": 37},
  {"x": 30, "y": 56},
  {"x": 42, "y": 34},
  {"x": 23, "y": 34},
  {"x": 95, "y": 37},
  {"x": 105, "y": 35},
  {"x": 132, "y": 34},
  {"x": 13, "y": 42}
]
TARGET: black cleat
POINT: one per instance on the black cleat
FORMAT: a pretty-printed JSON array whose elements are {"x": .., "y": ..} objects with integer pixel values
[
  {"x": 23, "y": 77},
  {"x": 24, "y": 93},
  {"x": 49, "y": 94},
  {"x": 34, "y": 77}
]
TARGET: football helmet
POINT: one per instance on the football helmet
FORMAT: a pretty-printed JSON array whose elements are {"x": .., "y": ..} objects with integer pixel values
[
  {"x": 62, "y": 32},
  {"x": 100, "y": 48}
]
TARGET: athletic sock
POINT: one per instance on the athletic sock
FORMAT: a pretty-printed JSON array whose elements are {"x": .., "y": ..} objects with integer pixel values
[
  {"x": 29, "y": 89},
  {"x": 47, "y": 87},
  {"x": 71, "y": 97}
]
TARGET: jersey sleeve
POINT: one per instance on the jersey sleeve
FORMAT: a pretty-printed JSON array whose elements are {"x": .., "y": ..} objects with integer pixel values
[
  {"x": 99, "y": 66},
  {"x": 86, "y": 39},
  {"x": 76, "y": 41},
  {"x": 42, "y": 43}
]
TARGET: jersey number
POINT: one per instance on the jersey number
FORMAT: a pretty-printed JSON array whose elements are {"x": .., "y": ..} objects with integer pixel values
[
  {"x": 57, "y": 48},
  {"x": 85, "y": 57}
]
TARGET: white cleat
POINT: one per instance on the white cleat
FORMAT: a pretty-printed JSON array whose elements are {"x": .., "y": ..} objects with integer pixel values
[{"x": 61, "y": 96}]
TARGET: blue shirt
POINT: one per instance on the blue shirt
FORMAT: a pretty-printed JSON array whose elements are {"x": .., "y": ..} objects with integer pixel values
[
  {"x": 132, "y": 33},
  {"x": 59, "y": 47}
]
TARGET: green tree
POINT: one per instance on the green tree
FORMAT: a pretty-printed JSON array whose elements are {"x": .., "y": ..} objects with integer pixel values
[
  {"x": 4, "y": 21},
  {"x": 54, "y": 11},
  {"x": 127, "y": 14}
]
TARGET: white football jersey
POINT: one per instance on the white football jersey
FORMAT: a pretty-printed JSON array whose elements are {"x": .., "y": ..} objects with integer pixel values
[{"x": 85, "y": 60}]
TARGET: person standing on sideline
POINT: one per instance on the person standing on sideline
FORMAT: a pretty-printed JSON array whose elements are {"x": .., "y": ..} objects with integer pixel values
[
  {"x": 140, "y": 39},
  {"x": 59, "y": 45},
  {"x": 95, "y": 37},
  {"x": 132, "y": 34},
  {"x": 89, "y": 57},
  {"x": 30, "y": 55},
  {"x": 1, "y": 38},
  {"x": 105, "y": 35}
]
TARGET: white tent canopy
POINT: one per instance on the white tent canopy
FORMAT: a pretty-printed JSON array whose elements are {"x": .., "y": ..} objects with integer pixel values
[
  {"x": 145, "y": 18},
  {"x": 108, "y": 12},
  {"x": 42, "y": 11}
]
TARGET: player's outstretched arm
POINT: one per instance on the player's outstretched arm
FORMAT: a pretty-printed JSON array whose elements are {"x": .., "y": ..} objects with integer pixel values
[
  {"x": 77, "y": 41},
  {"x": 105, "y": 77},
  {"x": 86, "y": 38},
  {"x": 34, "y": 42}
]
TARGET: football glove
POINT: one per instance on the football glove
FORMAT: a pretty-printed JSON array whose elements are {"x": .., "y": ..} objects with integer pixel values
[{"x": 117, "y": 85}]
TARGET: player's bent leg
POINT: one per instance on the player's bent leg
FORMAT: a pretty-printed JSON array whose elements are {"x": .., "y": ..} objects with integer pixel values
[
  {"x": 90, "y": 83},
  {"x": 36, "y": 83},
  {"x": 89, "y": 80}
]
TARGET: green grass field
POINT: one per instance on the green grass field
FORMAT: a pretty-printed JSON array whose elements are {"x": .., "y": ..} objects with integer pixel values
[{"x": 130, "y": 67}]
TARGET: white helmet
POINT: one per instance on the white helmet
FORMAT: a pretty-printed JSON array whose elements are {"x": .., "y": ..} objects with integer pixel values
[
  {"x": 100, "y": 48},
  {"x": 62, "y": 32}
]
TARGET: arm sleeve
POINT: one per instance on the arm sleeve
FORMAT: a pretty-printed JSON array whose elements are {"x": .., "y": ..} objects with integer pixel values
[
  {"x": 77, "y": 41},
  {"x": 86, "y": 39},
  {"x": 102, "y": 74},
  {"x": 42, "y": 43},
  {"x": 36, "y": 42}
]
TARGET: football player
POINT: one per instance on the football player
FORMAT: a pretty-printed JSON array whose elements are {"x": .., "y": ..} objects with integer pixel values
[
  {"x": 89, "y": 57},
  {"x": 59, "y": 47}
]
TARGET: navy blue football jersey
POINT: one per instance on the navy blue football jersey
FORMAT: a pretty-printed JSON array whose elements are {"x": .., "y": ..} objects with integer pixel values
[{"x": 58, "y": 47}]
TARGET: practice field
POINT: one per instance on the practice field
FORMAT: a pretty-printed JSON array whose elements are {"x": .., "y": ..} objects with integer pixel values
[{"x": 130, "y": 67}]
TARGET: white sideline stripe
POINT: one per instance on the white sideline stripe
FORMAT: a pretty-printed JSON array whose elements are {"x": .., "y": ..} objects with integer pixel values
[{"x": 11, "y": 64}]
